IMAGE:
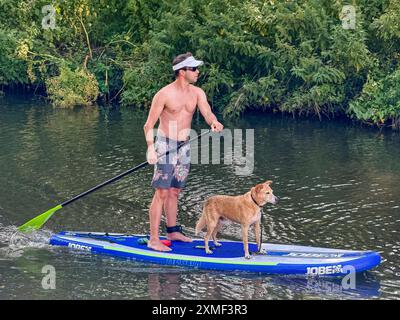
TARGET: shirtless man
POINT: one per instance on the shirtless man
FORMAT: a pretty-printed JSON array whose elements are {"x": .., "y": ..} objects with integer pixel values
[{"x": 174, "y": 105}]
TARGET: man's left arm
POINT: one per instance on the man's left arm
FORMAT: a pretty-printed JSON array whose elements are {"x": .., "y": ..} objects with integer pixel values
[{"x": 207, "y": 113}]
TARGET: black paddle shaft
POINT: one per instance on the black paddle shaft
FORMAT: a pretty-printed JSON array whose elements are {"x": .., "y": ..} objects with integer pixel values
[{"x": 123, "y": 174}]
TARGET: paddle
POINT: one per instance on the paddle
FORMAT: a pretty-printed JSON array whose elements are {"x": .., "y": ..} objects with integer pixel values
[{"x": 37, "y": 222}]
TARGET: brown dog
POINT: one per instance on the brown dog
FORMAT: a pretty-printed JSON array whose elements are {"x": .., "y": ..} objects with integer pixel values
[{"x": 244, "y": 209}]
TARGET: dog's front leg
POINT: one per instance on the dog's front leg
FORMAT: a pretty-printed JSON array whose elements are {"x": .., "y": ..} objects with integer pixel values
[
  {"x": 245, "y": 234},
  {"x": 257, "y": 230}
]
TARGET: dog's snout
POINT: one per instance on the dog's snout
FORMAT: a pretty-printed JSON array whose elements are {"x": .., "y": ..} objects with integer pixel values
[{"x": 276, "y": 199}]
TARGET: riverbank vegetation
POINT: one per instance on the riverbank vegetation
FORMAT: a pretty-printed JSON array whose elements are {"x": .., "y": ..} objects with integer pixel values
[{"x": 286, "y": 56}]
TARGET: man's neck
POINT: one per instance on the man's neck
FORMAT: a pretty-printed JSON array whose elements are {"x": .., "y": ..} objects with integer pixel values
[{"x": 182, "y": 84}]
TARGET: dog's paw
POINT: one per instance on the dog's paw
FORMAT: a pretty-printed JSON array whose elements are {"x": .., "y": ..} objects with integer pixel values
[
  {"x": 209, "y": 251},
  {"x": 217, "y": 244},
  {"x": 247, "y": 256}
]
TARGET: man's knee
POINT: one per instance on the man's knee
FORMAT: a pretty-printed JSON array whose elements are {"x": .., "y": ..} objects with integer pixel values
[
  {"x": 161, "y": 194},
  {"x": 173, "y": 192}
]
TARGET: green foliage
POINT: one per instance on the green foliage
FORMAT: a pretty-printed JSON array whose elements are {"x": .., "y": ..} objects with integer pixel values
[
  {"x": 219, "y": 85},
  {"x": 288, "y": 56},
  {"x": 72, "y": 88},
  {"x": 89, "y": 34},
  {"x": 260, "y": 94},
  {"x": 379, "y": 102},
  {"x": 12, "y": 70},
  {"x": 143, "y": 82},
  {"x": 387, "y": 25}
]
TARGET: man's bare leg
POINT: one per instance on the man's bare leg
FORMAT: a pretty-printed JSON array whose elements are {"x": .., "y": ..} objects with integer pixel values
[
  {"x": 155, "y": 213},
  {"x": 171, "y": 211}
]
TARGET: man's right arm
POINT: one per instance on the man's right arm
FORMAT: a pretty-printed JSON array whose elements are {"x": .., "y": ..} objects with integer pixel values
[{"x": 156, "y": 108}]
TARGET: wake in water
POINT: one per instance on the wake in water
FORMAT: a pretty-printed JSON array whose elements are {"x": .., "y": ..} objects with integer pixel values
[{"x": 13, "y": 242}]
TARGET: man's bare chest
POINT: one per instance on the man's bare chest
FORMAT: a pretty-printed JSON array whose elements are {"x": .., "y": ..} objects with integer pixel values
[{"x": 182, "y": 103}]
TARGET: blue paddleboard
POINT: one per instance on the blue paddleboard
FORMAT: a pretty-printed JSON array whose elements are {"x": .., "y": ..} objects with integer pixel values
[{"x": 277, "y": 259}]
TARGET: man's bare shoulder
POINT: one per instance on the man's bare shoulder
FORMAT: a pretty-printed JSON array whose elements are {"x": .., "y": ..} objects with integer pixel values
[
  {"x": 163, "y": 92},
  {"x": 196, "y": 90},
  {"x": 167, "y": 89}
]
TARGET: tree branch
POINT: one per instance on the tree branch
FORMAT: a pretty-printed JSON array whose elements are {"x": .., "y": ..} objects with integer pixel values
[{"x": 87, "y": 38}]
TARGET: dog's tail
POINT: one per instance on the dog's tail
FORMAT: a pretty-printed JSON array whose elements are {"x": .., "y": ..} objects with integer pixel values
[{"x": 200, "y": 224}]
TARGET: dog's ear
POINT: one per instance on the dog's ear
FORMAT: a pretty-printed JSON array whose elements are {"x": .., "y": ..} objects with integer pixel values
[
  {"x": 268, "y": 182},
  {"x": 259, "y": 187}
]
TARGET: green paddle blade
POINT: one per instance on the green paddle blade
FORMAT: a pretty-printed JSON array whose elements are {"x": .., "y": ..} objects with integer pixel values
[{"x": 37, "y": 222}]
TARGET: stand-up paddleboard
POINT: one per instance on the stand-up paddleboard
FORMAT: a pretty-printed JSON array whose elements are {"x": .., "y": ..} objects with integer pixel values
[{"x": 277, "y": 259}]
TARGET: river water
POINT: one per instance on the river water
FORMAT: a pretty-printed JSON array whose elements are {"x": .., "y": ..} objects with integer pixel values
[{"x": 339, "y": 186}]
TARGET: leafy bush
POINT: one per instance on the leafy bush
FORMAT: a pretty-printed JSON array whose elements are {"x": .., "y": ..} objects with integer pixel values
[
  {"x": 379, "y": 102},
  {"x": 12, "y": 70},
  {"x": 72, "y": 88}
]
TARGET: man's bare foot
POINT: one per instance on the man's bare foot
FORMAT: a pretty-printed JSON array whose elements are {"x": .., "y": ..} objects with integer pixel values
[
  {"x": 177, "y": 236},
  {"x": 157, "y": 245}
]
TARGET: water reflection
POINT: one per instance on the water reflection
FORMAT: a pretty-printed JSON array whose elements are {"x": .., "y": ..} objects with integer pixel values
[{"x": 250, "y": 287}]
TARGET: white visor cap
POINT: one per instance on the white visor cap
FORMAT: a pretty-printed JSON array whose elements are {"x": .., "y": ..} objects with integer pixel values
[{"x": 188, "y": 62}]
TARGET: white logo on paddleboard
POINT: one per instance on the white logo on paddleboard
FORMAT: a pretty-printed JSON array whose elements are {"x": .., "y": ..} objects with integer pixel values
[
  {"x": 325, "y": 270},
  {"x": 315, "y": 255},
  {"x": 79, "y": 247}
]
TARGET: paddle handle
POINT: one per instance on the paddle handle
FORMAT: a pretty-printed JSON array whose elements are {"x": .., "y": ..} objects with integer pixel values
[{"x": 123, "y": 174}]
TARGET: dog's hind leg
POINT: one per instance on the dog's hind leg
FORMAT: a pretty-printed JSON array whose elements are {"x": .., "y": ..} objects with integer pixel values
[
  {"x": 200, "y": 224},
  {"x": 215, "y": 232},
  {"x": 211, "y": 226}
]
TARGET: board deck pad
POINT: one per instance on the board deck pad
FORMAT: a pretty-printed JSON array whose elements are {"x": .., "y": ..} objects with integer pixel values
[{"x": 276, "y": 259}]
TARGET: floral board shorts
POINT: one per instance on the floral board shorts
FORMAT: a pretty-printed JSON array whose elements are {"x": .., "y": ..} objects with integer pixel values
[{"x": 172, "y": 170}]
